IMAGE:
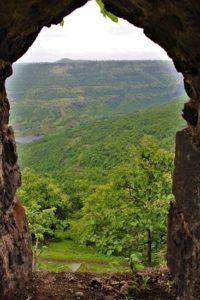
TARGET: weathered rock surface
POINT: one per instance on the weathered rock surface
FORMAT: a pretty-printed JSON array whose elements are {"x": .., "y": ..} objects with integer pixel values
[
  {"x": 175, "y": 26},
  {"x": 15, "y": 251},
  {"x": 184, "y": 219},
  {"x": 15, "y": 247}
]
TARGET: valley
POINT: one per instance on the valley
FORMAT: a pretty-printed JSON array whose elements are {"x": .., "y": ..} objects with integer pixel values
[
  {"x": 48, "y": 97},
  {"x": 96, "y": 154}
]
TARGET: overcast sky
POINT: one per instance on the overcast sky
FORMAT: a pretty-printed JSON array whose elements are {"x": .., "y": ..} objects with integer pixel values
[{"x": 88, "y": 35}]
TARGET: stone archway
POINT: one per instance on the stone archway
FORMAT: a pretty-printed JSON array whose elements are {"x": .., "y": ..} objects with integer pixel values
[{"x": 174, "y": 25}]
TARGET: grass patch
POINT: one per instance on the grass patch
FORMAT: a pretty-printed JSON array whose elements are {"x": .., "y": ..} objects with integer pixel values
[{"x": 69, "y": 256}]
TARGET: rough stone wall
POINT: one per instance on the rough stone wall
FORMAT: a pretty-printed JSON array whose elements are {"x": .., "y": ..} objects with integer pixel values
[
  {"x": 184, "y": 219},
  {"x": 15, "y": 246},
  {"x": 175, "y": 26},
  {"x": 22, "y": 20}
]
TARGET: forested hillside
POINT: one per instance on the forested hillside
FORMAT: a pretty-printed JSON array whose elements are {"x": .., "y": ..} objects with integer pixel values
[
  {"x": 104, "y": 143},
  {"x": 49, "y": 96},
  {"x": 101, "y": 172}
]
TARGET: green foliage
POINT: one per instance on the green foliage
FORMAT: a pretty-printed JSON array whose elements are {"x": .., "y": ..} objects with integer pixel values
[
  {"x": 52, "y": 97},
  {"x": 143, "y": 284},
  {"x": 40, "y": 224},
  {"x": 60, "y": 255},
  {"x": 97, "y": 176},
  {"x": 40, "y": 220},
  {"x": 106, "y": 13},
  {"x": 116, "y": 216},
  {"x": 46, "y": 205},
  {"x": 62, "y": 23},
  {"x": 103, "y": 11},
  {"x": 101, "y": 145},
  {"x": 135, "y": 262}
]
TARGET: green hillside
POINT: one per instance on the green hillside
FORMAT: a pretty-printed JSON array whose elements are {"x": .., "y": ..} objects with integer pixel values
[
  {"x": 103, "y": 144},
  {"x": 101, "y": 174},
  {"x": 54, "y": 96}
]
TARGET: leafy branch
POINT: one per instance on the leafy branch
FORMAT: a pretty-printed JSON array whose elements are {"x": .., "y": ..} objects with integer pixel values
[
  {"x": 106, "y": 13},
  {"x": 103, "y": 11}
]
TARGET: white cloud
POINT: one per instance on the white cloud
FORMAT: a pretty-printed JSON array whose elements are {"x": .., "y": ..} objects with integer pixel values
[{"x": 88, "y": 35}]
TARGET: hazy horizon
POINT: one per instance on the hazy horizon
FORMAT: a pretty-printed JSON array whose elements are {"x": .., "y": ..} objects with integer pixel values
[
  {"x": 87, "y": 35},
  {"x": 89, "y": 60}
]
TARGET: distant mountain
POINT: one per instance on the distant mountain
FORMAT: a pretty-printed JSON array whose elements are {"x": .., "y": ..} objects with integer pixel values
[
  {"x": 49, "y": 97},
  {"x": 63, "y": 61}
]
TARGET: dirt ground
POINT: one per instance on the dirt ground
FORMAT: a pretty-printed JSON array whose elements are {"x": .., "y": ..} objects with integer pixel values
[{"x": 149, "y": 284}]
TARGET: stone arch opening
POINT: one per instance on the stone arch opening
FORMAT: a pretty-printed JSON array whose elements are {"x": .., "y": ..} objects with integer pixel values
[
  {"x": 175, "y": 27},
  {"x": 34, "y": 76}
]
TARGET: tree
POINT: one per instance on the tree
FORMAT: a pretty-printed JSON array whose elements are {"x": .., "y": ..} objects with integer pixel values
[
  {"x": 40, "y": 223},
  {"x": 45, "y": 204},
  {"x": 129, "y": 214},
  {"x": 148, "y": 184}
]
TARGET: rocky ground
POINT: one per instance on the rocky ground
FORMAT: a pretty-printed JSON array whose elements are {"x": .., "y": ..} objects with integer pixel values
[{"x": 149, "y": 284}]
